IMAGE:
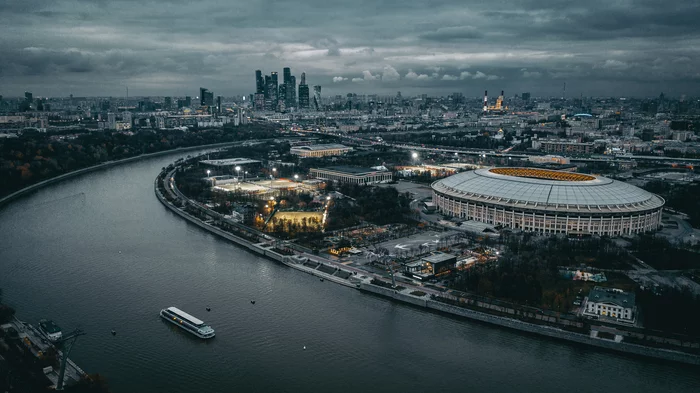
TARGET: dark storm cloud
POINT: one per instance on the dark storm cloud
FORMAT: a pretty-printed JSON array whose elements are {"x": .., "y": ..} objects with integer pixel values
[{"x": 172, "y": 47}]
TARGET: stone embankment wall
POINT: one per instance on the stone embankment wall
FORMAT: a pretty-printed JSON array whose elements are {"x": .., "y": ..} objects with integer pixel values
[{"x": 533, "y": 328}]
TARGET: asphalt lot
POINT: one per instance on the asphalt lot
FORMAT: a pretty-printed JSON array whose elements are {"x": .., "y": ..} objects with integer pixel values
[
  {"x": 419, "y": 191},
  {"x": 414, "y": 242}
]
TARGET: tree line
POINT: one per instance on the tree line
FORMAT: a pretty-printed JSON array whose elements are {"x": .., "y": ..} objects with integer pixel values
[{"x": 34, "y": 156}]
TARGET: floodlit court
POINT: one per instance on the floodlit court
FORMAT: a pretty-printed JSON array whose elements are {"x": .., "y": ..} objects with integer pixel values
[{"x": 298, "y": 216}]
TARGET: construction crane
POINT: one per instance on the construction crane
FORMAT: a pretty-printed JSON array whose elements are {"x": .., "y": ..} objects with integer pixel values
[{"x": 68, "y": 341}]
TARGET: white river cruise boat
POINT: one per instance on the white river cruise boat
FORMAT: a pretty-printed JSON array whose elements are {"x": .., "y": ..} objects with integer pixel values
[
  {"x": 50, "y": 330},
  {"x": 187, "y": 322}
]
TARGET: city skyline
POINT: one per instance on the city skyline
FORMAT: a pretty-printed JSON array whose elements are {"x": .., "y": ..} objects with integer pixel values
[{"x": 96, "y": 49}]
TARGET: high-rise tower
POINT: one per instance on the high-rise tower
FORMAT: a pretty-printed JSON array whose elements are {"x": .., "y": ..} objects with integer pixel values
[
  {"x": 292, "y": 92},
  {"x": 206, "y": 97},
  {"x": 273, "y": 89},
  {"x": 303, "y": 92},
  {"x": 290, "y": 89},
  {"x": 317, "y": 97},
  {"x": 259, "y": 82}
]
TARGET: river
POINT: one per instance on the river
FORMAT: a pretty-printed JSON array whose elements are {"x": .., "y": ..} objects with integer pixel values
[{"x": 99, "y": 252}]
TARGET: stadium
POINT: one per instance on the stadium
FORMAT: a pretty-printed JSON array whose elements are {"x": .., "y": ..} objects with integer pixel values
[{"x": 548, "y": 201}]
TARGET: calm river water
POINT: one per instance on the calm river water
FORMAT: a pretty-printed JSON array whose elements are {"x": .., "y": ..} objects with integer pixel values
[{"x": 100, "y": 252}]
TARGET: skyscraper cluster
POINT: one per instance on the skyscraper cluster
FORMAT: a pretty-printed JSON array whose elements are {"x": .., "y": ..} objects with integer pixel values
[{"x": 272, "y": 96}]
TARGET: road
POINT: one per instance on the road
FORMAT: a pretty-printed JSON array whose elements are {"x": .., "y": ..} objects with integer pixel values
[{"x": 491, "y": 153}]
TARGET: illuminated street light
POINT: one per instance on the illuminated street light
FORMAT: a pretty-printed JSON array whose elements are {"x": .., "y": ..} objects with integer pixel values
[
  {"x": 328, "y": 198},
  {"x": 296, "y": 177},
  {"x": 414, "y": 155},
  {"x": 208, "y": 172}
]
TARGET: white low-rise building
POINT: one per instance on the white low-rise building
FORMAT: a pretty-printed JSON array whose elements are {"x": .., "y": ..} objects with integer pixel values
[
  {"x": 612, "y": 303},
  {"x": 332, "y": 149}
]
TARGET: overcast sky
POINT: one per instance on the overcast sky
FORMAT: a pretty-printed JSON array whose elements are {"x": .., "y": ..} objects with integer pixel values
[{"x": 172, "y": 47}]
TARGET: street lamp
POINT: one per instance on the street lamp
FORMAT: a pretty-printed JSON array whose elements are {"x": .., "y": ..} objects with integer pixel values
[
  {"x": 208, "y": 172},
  {"x": 296, "y": 177},
  {"x": 238, "y": 170},
  {"x": 414, "y": 155},
  {"x": 244, "y": 173}
]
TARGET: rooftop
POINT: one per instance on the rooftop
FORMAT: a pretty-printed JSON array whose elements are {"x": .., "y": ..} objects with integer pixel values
[
  {"x": 547, "y": 189},
  {"x": 439, "y": 257},
  {"x": 355, "y": 170},
  {"x": 328, "y": 146},
  {"x": 614, "y": 296}
]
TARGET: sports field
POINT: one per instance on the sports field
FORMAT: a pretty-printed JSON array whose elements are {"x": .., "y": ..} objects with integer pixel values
[{"x": 299, "y": 215}]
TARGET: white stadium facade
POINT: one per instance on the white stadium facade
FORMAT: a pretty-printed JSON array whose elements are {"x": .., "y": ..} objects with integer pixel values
[{"x": 548, "y": 201}]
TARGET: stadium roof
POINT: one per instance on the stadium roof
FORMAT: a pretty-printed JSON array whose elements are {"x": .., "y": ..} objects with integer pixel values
[{"x": 530, "y": 187}]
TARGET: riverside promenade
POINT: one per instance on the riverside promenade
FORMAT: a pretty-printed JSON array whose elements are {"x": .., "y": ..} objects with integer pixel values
[{"x": 352, "y": 277}]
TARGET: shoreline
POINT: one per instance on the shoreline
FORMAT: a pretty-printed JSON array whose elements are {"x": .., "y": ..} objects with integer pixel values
[
  {"x": 108, "y": 164},
  {"x": 362, "y": 282}
]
